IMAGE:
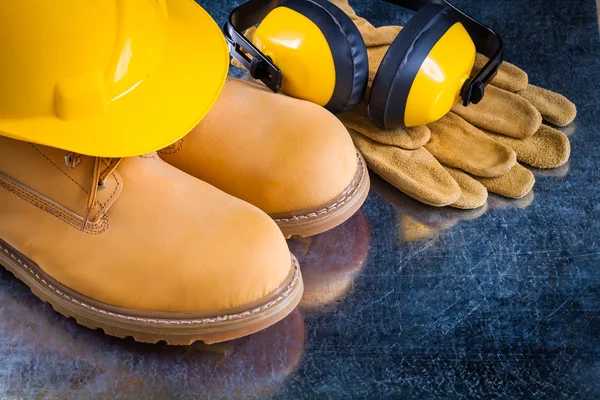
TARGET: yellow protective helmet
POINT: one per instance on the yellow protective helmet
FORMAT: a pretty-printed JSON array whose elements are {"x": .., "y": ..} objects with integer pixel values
[
  {"x": 107, "y": 78},
  {"x": 310, "y": 49}
]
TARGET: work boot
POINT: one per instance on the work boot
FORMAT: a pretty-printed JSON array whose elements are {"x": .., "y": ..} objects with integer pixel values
[
  {"x": 138, "y": 248},
  {"x": 291, "y": 158}
]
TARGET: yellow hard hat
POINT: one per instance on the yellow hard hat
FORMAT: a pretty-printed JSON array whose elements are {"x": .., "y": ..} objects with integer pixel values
[{"x": 107, "y": 78}]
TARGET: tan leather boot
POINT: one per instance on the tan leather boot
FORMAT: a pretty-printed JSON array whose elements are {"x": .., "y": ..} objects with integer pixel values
[
  {"x": 162, "y": 256},
  {"x": 291, "y": 158}
]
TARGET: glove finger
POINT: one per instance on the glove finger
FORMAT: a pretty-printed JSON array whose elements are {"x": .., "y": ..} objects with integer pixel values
[
  {"x": 554, "y": 107},
  {"x": 509, "y": 76},
  {"x": 502, "y": 112},
  {"x": 458, "y": 144},
  {"x": 548, "y": 148},
  {"x": 473, "y": 194},
  {"x": 517, "y": 183},
  {"x": 405, "y": 138},
  {"x": 414, "y": 172}
]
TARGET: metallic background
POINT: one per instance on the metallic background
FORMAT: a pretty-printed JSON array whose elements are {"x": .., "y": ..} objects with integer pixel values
[{"x": 404, "y": 300}]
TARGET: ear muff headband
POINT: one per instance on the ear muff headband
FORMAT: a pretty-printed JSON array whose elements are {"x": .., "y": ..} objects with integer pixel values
[
  {"x": 402, "y": 62},
  {"x": 347, "y": 47}
]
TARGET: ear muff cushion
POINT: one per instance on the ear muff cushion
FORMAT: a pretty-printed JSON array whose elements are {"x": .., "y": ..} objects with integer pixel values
[
  {"x": 402, "y": 62},
  {"x": 347, "y": 47}
]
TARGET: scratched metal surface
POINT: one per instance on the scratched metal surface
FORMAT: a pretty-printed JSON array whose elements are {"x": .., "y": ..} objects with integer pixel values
[{"x": 403, "y": 301}]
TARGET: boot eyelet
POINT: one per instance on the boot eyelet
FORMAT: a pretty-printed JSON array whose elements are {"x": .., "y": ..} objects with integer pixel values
[
  {"x": 69, "y": 161},
  {"x": 101, "y": 185}
]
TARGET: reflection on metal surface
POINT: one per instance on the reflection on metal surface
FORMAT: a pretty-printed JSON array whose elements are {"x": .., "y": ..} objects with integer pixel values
[
  {"x": 332, "y": 260},
  {"x": 50, "y": 356},
  {"x": 496, "y": 202},
  {"x": 560, "y": 172},
  {"x": 570, "y": 129},
  {"x": 417, "y": 221}
]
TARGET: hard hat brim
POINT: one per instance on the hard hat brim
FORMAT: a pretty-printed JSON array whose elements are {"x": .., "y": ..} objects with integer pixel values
[{"x": 161, "y": 110}]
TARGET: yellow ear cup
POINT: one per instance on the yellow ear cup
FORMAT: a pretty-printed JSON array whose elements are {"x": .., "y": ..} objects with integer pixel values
[
  {"x": 421, "y": 76},
  {"x": 299, "y": 48},
  {"x": 436, "y": 88},
  {"x": 320, "y": 51}
]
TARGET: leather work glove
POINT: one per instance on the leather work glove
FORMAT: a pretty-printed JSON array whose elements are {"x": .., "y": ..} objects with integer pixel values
[{"x": 458, "y": 159}]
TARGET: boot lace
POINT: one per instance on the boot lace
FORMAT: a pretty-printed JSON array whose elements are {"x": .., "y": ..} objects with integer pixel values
[{"x": 99, "y": 178}]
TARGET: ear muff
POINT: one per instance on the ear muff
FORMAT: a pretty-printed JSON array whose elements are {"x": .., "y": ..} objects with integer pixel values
[
  {"x": 421, "y": 75},
  {"x": 319, "y": 50}
]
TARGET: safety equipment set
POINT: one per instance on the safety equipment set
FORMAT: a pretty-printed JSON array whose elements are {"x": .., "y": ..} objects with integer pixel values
[
  {"x": 312, "y": 50},
  {"x": 457, "y": 153},
  {"x": 136, "y": 197}
]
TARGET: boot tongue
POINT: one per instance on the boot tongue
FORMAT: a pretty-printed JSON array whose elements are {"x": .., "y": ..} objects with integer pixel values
[{"x": 48, "y": 174}]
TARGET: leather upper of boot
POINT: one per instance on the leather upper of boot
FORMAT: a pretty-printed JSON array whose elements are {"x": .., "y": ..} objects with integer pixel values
[
  {"x": 276, "y": 152},
  {"x": 157, "y": 239}
]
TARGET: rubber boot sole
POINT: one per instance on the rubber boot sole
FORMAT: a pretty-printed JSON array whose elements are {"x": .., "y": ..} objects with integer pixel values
[
  {"x": 153, "y": 327},
  {"x": 320, "y": 219}
]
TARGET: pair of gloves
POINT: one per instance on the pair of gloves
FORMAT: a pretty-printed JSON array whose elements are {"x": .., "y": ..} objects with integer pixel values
[{"x": 471, "y": 151}]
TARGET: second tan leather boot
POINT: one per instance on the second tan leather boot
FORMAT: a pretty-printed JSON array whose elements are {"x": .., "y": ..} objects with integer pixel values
[
  {"x": 291, "y": 158},
  {"x": 139, "y": 248}
]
